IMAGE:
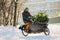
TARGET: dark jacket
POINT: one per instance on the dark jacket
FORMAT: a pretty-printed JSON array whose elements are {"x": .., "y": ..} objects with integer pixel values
[{"x": 26, "y": 16}]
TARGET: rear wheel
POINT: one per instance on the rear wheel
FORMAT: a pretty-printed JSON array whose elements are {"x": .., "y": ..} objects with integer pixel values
[{"x": 46, "y": 31}]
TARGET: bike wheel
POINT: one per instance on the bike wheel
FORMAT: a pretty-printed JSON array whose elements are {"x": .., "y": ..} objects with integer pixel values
[
  {"x": 24, "y": 33},
  {"x": 46, "y": 31}
]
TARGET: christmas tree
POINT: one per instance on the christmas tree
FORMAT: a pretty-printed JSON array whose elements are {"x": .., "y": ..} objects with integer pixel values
[{"x": 40, "y": 18}]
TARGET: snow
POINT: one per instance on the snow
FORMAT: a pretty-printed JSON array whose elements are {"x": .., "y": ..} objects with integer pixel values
[{"x": 13, "y": 33}]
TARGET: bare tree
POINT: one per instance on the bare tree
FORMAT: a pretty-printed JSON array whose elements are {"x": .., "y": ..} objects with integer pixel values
[
  {"x": 9, "y": 11},
  {"x": 15, "y": 2}
]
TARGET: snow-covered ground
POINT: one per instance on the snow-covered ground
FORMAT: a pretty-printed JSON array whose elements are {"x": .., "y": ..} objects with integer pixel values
[{"x": 13, "y": 33}]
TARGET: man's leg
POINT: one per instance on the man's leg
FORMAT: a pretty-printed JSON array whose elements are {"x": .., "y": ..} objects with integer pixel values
[{"x": 27, "y": 26}]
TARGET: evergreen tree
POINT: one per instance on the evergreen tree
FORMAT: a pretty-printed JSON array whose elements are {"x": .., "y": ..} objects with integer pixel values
[{"x": 40, "y": 18}]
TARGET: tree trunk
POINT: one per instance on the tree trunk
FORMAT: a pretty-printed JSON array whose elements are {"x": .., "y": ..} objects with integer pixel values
[{"x": 15, "y": 12}]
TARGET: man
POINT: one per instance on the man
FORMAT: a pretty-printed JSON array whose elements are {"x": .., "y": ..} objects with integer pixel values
[
  {"x": 26, "y": 18},
  {"x": 26, "y": 15}
]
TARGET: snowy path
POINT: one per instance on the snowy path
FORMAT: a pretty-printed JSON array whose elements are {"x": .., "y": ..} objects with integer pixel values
[{"x": 12, "y": 33}]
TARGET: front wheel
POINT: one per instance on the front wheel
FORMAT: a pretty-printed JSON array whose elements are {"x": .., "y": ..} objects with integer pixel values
[
  {"x": 24, "y": 33},
  {"x": 46, "y": 31}
]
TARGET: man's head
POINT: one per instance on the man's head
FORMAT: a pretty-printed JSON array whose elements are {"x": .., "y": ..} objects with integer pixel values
[{"x": 26, "y": 9}]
